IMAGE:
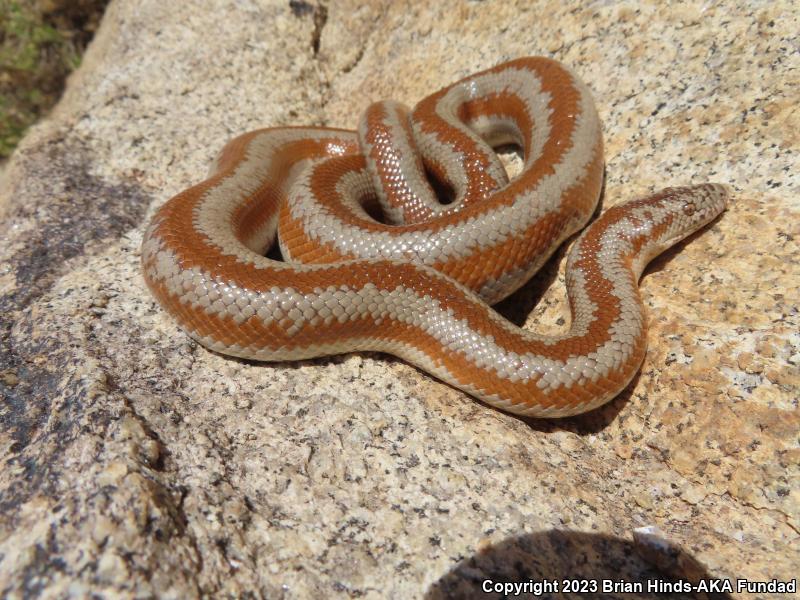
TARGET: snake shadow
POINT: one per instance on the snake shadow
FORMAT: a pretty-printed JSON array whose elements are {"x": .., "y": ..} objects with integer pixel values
[{"x": 559, "y": 555}]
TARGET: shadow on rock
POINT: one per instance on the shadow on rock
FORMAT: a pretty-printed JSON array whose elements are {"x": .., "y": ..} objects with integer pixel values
[{"x": 570, "y": 558}]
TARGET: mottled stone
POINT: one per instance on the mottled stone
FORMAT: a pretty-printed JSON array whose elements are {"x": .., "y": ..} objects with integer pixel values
[{"x": 136, "y": 463}]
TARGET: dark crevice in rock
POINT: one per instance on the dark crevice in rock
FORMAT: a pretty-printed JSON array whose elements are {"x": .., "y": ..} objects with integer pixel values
[
  {"x": 319, "y": 12},
  {"x": 320, "y": 19},
  {"x": 301, "y": 8},
  {"x": 349, "y": 67}
]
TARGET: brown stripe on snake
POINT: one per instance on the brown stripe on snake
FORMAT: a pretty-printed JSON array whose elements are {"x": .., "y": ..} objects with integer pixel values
[{"x": 203, "y": 253}]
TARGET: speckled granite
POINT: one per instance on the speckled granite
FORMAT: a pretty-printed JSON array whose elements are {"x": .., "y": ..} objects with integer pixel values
[{"x": 136, "y": 463}]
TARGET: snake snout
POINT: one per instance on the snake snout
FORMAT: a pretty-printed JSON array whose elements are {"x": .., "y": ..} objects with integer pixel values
[{"x": 715, "y": 199}]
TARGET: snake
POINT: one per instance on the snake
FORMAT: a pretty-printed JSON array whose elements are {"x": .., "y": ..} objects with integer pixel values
[{"x": 398, "y": 237}]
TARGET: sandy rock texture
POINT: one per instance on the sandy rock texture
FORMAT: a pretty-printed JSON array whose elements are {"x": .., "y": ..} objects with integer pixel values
[{"x": 137, "y": 464}]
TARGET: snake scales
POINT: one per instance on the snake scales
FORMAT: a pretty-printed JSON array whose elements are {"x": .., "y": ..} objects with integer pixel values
[{"x": 417, "y": 282}]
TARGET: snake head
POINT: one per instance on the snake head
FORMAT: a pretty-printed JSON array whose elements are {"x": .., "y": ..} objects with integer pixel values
[
  {"x": 705, "y": 202},
  {"x": 688, "y": 209}
]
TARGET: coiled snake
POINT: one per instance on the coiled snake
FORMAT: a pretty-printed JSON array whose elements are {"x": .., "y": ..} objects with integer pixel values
[{"x": 417, "y": 281}]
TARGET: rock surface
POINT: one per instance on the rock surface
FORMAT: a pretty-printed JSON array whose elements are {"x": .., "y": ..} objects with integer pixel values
[{"x": 136, "y": 463}]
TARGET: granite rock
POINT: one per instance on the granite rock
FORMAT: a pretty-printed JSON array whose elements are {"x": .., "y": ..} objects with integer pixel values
[{"x": 137, "y": 464}]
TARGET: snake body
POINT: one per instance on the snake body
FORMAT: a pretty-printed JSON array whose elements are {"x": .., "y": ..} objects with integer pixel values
[{"x": 417, "y": 283}]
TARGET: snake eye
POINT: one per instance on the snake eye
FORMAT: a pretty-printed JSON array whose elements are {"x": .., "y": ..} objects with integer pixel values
[{"x": 689, "y": 208}]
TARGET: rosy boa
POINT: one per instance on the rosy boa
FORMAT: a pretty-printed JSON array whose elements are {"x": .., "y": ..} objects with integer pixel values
[{"x": 417, "y": 282}]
